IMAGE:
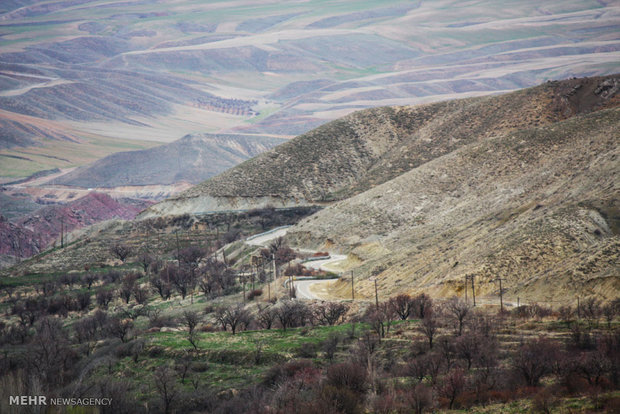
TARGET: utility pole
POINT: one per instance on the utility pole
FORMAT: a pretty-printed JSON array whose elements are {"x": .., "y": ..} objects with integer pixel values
[
  {"x": 501, "y": 294},
  {"x": 466, "y": 277},
  {"x": 242, "y": 280},
  {"x": 473, "y": 289},
  {"x": 274, "y": 273},
  {"x": 376, "y": 294},
  {"x": 176, "y": 233},
  {"x": 62, "y": 232},
  {"x": 352, "y": 287}
]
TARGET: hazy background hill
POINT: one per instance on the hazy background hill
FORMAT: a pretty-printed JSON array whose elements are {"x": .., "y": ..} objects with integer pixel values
[
  {"x": 193, "y": 158},
  {"x": 80, "y": 79}
]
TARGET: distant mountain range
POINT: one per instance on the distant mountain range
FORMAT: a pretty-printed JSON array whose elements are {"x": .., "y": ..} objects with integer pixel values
[{"x": 79, "y": 79}]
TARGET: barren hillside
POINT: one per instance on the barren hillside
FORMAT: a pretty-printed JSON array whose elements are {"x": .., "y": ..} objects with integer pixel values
[
  {"x": 350, "y": 155},
  {"x": 537, "y": 207}
]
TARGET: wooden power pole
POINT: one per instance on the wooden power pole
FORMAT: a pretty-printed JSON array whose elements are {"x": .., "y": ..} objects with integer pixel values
[
  {"x": 473, "y": 291},
  {"x": 376, "y": 294},
  {"x": 501, "y": 294},
  {"x": 352, "y": 287}
]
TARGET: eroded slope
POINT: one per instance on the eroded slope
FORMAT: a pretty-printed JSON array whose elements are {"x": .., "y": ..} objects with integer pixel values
[{"x": 537, "y": 207}]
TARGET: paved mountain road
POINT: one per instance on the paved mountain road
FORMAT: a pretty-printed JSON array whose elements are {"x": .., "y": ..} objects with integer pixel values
[{"x": 306, "y": 289}]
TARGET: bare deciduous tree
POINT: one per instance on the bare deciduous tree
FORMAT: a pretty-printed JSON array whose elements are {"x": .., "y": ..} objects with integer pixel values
[
  {"x": 191, "y": 319},
  {"x": 120, "y": 250},
  {"x": 534, "y": 359},
  {"x": 236, "y": 317},
  {"x": 330, "y": 313},
  {"x": 403, "y": 305},
  {"x": 165, "y": 384},
  {"x": 120, "y": 328},
  {"x": 430, "y": 327},
  {"x": 266, "y": 316},
  {"x": 458, "y": 311}
]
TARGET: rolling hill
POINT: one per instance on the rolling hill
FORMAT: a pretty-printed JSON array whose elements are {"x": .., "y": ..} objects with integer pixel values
[
  {"x": 537, "y": 207},
  {"x": 81, "y": 76},
  {"x": 370, "y": 147},
  {"x": 193, "y": 158}
]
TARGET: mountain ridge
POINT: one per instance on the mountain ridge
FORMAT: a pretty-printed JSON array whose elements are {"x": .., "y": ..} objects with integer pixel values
[{"x": 369, "y": 147}]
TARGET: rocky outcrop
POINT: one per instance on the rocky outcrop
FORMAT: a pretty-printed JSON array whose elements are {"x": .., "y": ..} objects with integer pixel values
[{"x": 33, "y": 233}]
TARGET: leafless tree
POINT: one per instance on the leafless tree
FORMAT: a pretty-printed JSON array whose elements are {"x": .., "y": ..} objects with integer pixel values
[
  {"x": 119, "y": 328},
  {"x": 403, "y": 305},
  {"x": 184, "y": 281},
  {"x": 534, "y": 359},
  {"x": 50, "y": 354},
  {"x": 430, "y": 327},
  {"x": 330, "y": 313},
  {"x": 88, "y": 279},
  {"x": 191, "y": 320},
  {"x": 141, "y": 295},
  {"x": 190, "y": 258},
  {"x": 165, "y": 384},
  {"x": 458, "y": 311},
  {"x": 292, "y": 313},
  {"x": 218, "y": 276},
  {"x": 236, "y": 317},
  {"x": 420, "y": 398},
  {"x": 452, "y": 386},
  {"x": 266, "y": 316},
  {"x": 467, "y": 347},
  {"x": 610, "y": 311},
  {"x": 161, "y": 283},
  {"x": 330, "y": 345},
  {"x": 146, "y": 259},
  {"x": 423, "y": 305},
  {"x": 83, "y": 300},
  {"x": 104, "y": 297},
  {"x": 380, "y": 318},
  {"x": 120, "y": 250},
  {"x": 591, "y": 310}
]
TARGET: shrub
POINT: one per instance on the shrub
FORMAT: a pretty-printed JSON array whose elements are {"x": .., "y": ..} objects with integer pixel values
[
  {"x": 254, "y": 293},
  {"x": 307, "y": 350}
]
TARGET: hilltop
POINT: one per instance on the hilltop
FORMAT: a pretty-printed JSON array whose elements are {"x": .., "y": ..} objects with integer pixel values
[
  {"x": 370, "y": 147},
  {"x": 193, "y": 158}
]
